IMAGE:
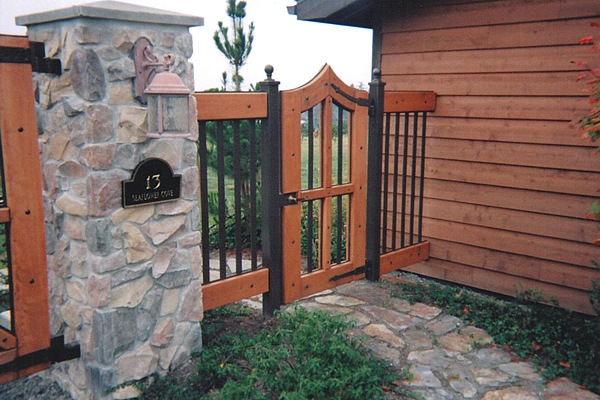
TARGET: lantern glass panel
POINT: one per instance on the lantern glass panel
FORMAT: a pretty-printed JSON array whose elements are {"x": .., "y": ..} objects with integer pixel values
[{"x": 173, "y": 110}]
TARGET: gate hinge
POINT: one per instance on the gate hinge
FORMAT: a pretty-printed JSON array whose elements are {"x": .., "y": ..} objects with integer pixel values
[
  {"x": 57, "y": 352},
  {"x": 356, "y": 271},
  {"x": 360, "y": 102},
  {"x": 34, "y": 55}
]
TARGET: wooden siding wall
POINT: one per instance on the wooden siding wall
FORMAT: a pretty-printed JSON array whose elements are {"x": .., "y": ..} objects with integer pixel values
[{"x": 508, "y": 180}]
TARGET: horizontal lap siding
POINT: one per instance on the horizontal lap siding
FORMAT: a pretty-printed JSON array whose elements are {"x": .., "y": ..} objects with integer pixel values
[{"x": 508, "y": 178}]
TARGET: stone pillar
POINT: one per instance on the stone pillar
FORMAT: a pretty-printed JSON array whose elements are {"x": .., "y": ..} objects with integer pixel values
[{"x": 124, "y": 283}]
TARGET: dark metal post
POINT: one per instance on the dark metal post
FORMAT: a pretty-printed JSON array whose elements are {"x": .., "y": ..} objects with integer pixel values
[
  {"x": 376, "y": 96},
  {"x": 271, "y": 184}
]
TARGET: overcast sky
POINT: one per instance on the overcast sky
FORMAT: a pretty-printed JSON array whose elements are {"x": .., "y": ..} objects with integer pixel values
[{"x": 296, "y": 49}]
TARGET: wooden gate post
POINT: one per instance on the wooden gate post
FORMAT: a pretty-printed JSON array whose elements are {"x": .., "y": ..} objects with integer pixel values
[
  {"x": 271, "y": 201},
  {"x": 376, "y": 96}
]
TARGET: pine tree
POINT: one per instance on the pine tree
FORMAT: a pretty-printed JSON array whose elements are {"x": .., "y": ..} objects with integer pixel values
[{"x": 237, "y": 47}]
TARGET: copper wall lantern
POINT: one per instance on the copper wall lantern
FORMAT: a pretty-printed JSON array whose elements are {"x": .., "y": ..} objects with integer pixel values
[{"x": 167, "y": 97}]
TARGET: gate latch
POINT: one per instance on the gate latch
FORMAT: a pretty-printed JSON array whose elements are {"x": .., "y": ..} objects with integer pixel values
[{"x": 289, "y": 199}]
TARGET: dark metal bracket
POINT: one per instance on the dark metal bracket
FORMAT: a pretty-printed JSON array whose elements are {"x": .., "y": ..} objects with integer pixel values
[
  {"x": 356, "y": 271},
  {"x": 57, "y": 352},
  {"x": 360, "y": 102},
  {"x": 34, "y": 55}
]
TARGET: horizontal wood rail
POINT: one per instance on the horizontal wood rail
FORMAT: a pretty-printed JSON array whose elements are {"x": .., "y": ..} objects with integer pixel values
[
  {"x": 228, "y": 290},
  {"x": 211, "y": 107},
  {"x": 403, "y": 258},
  {"x": 409, "y": 101},
  {"x": 321, "y": 193}
]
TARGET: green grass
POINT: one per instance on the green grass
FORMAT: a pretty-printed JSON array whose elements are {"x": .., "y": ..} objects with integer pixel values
[
  {"x": 307, "y": 355},
  {"x": 560, "y": 342}
]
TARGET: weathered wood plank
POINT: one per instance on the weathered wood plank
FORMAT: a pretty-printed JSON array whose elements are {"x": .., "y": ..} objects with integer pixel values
[
  {"x": 532, "y": 178},
  {"x": 500, "y": 283},
  {"x": 510, "y": 198},
  {"x": 538, "y": 59},
  {"x": 527, "y": 155},
  {"x": 529, "y": 108},
  {"x": 533, "y": 223},
  {"x": 514, "y": 264},
  {"x": 551, "y": 249},
  {"x": 505, "y": 130},
  {"x": 497, "y": 84},
  {"x": 488, "y": 36},
  {"x": 401, "y": 18},
  {"x": 228, "y": 106}
]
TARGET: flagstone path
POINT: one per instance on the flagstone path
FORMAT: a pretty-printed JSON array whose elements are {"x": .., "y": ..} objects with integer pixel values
[{"x": 448, "y": 359}]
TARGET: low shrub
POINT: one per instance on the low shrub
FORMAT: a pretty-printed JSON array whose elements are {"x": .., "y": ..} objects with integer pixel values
[
  {"x": 305, "y": 355},
  {"x": 560, "y": 342}
]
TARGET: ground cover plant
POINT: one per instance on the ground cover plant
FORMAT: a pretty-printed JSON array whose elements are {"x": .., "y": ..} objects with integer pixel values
[
  {"x": 558, "y": 341},
  {"x": 296, "y": 355}
]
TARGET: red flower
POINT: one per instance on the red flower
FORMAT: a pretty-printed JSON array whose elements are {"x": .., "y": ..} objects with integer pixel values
[{"x": 586, "y": 40}]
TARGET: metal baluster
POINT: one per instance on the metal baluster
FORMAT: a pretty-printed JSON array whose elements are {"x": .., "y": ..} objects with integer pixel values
[
  {"x": 404, "y": 176},
  {"x": 395, "y": 189},
  {"x": 253, "y": 171},
  {"x": 413, "y": 179},
  {"x": 221, "y": 195},
  {"x": 204, "y": 230},
  {"x": 386, "y": 178},
  {"x": 422, "y": 178}
]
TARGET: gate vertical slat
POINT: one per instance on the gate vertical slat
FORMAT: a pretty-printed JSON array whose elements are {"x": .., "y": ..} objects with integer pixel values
[
  {"x": 222, "y": 199},
  {"x": 237, "y": 178},
  {"x": 340, "y": 177},
  {"x": 253, "y": 216},
  {"x": 204, "y": 201},
  {"x": 310, "y": 184}
]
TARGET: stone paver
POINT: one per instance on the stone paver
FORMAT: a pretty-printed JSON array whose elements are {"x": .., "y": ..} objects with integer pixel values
[{"x": 448, "y": 360}]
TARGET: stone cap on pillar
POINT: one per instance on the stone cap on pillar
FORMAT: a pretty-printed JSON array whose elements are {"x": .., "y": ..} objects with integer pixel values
[{"x": 113, "y": 10}]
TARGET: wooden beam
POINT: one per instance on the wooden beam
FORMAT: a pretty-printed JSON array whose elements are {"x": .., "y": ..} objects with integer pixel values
[
  {"x": 4, "y": 215},
  {"x": 238, "y": 287},
  {"x": 23, "y": 180},
  {"x": 228, "y": 106},
  {"x": 333, "y": 191},
  {"x": 404, "y": 257},
  {"x": 409, "y": 101}
]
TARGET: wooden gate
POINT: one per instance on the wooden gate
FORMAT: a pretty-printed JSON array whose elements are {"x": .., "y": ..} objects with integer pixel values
[
  {"x": 25, "y": 343},
  {"x": 324, "y": 172},
  {"x": 322, "y": 224}
]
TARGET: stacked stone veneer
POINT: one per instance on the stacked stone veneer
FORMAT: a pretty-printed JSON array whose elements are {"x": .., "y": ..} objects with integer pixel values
[{"x": 124, "y": 283}]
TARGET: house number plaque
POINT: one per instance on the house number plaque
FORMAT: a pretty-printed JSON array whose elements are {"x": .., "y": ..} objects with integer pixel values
[{"x": 152, "y": 182}]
